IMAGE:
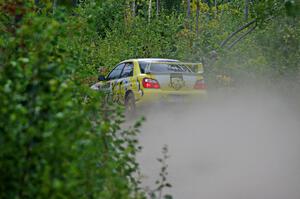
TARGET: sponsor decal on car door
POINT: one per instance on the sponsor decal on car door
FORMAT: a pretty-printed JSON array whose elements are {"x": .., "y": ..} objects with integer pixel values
[
  {"x": 126, "y": 81},
  {"x": 113, "y": 82}
]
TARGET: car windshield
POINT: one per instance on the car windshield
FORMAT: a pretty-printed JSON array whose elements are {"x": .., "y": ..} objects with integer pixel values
[{"x": 164, "y": 67}]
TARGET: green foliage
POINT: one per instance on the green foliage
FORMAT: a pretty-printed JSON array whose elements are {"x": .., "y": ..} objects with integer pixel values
[
  {"x": 271, "y": 51},
  {"x": 58, "y": 139},
  {"x": 162, "y": 182},
  {"x": 131, "y": 36},
  {"x": 292, "y": 7},
  {"x": 140, "y": 39},
  {"x": 101, "y": 15},
  {"x": 171, "y": 5}
]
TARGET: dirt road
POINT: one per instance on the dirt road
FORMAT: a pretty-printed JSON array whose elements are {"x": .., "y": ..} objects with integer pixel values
[{"x": 237, "y": 147}]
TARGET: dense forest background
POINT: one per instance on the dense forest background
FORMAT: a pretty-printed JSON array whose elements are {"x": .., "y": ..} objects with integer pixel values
[{"x": 55, "y": 139}]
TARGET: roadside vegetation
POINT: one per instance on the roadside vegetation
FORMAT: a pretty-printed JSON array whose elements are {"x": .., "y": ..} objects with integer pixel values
[{"x": 58, "y": 139}]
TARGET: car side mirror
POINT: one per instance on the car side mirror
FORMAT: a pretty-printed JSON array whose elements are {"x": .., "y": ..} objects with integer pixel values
[{"x": 101, "y": 78}]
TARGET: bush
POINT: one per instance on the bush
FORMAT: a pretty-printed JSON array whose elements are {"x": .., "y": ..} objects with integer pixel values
[{"x": 58, "y": 139}]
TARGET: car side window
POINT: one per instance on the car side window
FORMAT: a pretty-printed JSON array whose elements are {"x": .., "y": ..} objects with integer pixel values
[
  {"x": 128, "y": 70},
  {"x": 143, "y": 66},
  {"x": 116, "y": 72}
]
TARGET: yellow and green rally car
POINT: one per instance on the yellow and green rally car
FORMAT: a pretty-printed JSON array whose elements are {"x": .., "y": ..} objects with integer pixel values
[{"x": 140, "y": 82}]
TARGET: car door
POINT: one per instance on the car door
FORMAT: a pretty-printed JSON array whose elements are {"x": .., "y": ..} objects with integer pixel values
[
  {"x": 126, "y": 79},
  {"x": 112, "y": 83}
]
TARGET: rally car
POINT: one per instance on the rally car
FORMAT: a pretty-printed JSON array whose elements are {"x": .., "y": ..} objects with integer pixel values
[{"x": 141, "y": 82}]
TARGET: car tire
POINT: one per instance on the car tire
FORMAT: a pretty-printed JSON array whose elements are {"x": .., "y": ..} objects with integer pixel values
[{"x": 130, "y": 108}]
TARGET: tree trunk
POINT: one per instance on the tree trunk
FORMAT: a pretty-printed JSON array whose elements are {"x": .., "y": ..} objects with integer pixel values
[
  {"x": 149, "y": 10},
  {"x": 246, "y": 11},
  {"x": 157, "y": 7},
  {"x": 133, "y": 8},
  {"x": 197, "y": 17},
  {"x": 188, "y": 13},
  {"x": 54, "y": 5},
  {"x": 216, "y": 7}
]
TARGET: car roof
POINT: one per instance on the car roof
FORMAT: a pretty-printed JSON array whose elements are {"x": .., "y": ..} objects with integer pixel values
[{"x": 152, "y": 60}]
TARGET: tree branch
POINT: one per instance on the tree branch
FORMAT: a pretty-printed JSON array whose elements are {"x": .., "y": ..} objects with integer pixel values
[
  {"x": 237, "y": 31},
  {"x": 241, "y": 37},
  {"x": 197, "y": 16}
]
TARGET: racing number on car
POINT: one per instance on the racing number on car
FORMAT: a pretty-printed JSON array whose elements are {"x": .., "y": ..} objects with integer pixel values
[
  {"x": 125, "y": 80},
  {"x": 176, "y": 81}
]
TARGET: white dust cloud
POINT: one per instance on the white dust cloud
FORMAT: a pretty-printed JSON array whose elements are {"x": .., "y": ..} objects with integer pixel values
[{"x": 231, "y": 146}]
